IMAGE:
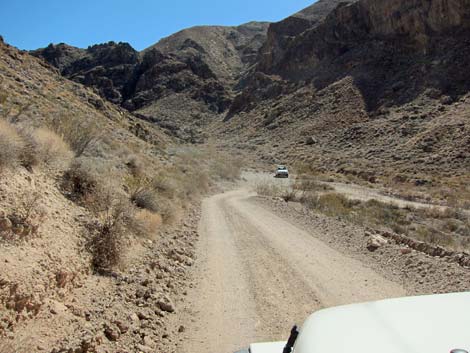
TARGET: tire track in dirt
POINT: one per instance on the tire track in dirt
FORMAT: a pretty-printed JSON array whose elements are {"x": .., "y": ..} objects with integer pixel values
[{"x": 259, "y": 274}]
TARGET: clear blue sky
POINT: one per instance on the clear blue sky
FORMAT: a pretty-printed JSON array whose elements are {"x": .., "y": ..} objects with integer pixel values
[{"x": 30, "y": 24}]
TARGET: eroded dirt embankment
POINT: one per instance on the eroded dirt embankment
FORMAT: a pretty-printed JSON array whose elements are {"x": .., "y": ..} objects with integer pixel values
[{"x": 52, "y": 301}]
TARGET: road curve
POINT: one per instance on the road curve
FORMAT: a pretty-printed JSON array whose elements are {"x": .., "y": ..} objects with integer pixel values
[{"x": 258, "y": 274}]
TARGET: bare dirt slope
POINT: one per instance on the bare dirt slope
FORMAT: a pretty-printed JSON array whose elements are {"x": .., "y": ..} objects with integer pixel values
[{"x": 260, "y": 274}]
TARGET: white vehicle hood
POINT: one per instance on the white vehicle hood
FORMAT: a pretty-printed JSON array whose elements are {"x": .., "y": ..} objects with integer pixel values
[
  {"x": 426, "y": 324},
  {"x": 268, "y": 347}
]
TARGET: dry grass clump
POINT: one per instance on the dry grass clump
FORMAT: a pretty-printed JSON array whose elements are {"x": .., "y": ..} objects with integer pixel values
[
  {"x": 79, "y": 133},
  {"x": 43, "y": 147},
  {"x": 51, "y": 148},
  {"x": 269, "y": 189},
  {"x": 453, "y": 191},
  {"x": 306, "y": 184},
  {"x": 434, "y": 236},
  {"x": 372, "y": 212},
  {"x": 152, "y": 194},
  {"x": 227, "y": 167},
  {"x": 215, "y": 163},
  {"x": 332, "y": 204},
  {"x": 435, "y": 226},
  {"x": 30, "y": 147},
  {"x": 11, "y": 145},
  {"x": 309, "y": 171},
  {"x": 23, "y": 223},
  {"x": 147, "y": 223},
  {"x": 116, "y": 218},
  {"x": 81, "y": 183},
  {"x": 192, "y": 183},
  {"x": 136, "y": 167}
]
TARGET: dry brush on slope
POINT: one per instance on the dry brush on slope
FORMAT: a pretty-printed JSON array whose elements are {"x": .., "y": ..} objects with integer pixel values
[
  {"x": 448, "y": 227},
  {"x": 68, "y": 216}
]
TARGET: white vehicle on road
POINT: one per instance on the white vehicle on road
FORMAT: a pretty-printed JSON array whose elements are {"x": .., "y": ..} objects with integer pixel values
[
  {"x": 281, "y": 172},
  {"x": 424, "y": 324}
]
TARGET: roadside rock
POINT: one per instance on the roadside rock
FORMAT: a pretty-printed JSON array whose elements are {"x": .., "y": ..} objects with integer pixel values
[
  {"x": 111, "y": 333},
  {"x": 310, "y": 140},
  {"x": 123, "y": 327},
  {"x": 405, "y": 251},
  {"x": 5, "y": 224},
  {"x": 375, "y": 242},
  {"x": 166, "y": 304}
]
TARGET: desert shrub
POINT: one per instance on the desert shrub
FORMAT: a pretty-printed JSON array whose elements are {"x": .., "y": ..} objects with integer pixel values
[
  {"x": 51, "y": 148},
  {"x": 29, "y": 147},
  {"x": 107, "y": 238},
  {"x": 227, "y": 168},
  {"x": 332, "y": 204},
  {"x": 88, "y": 185},
  {"x": 24, "y": 221},
  {"x": 109, "y": 232},
  {"x": 383, "y": 213},
  {"x": 79, "y": 133},
  {"x": 11, "y": 145},
  {"x": 146, "y": 223},
  {"x": 451, "y": 225},
  {"x": 433, "y": 236},
  {"x": 144, "y": 191},
  {"x": 304, "y": 168},
  {"x": 276, "y": 189},
  {"x": 269, "y": 189},
  {"x": 136, "y": 167},
  {"x": 79, "y": 182},
  {"x": 168, "y": 210},
  {"x": 146, "y": 198},
  {"x": 192, "y": 183},
  {"x": 289, "y": 195},
  {"x": 163, "y": 184},
  {"x": 310, "y": 185},
  {"x": 159, "y": 194}
]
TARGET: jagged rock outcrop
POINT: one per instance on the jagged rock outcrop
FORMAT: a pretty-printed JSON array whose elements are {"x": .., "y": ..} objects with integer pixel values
[
  {"x": 281, "y": 33},
  {"x": 110, "y": 68},
  {"x": 381, "y": 86},
  {"x": 203, "y": 63},
  {"x": 393, "y": 49}
]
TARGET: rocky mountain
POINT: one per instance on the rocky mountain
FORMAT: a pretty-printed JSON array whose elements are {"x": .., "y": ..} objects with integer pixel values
[
  {"x": 200, "y": 64},
  {"x": 364, "y": 85},
  {"x": 367, "y": 83},
  {"x": 228, "y": 51}
]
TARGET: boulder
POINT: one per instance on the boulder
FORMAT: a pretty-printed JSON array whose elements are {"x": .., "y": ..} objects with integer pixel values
[
  {"x": 311, "y": 140},
  {"x": 375, "y": 241},
  {"x": 166, "y": 304},
  {"x": 5, "y": 224}
]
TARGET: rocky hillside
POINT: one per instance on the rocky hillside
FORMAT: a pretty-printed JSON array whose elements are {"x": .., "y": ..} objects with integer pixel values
[
  {"x": 357, "y": 84},
  {"x": 199, "y": 65},
  {"x": 95, "y": 245},
  {"x": 362, "y": 85}
]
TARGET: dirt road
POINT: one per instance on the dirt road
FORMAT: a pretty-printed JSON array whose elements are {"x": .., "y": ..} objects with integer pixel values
[{"x": 258, "y": 274}]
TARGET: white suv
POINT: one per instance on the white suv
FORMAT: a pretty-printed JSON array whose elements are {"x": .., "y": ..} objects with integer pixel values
[
  {"x": 281, "y": 172},
  {"x": 424, "y": 324}
]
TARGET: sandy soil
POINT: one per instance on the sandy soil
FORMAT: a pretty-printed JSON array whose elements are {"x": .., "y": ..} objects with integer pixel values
[{"x": 258, "y": 274}]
